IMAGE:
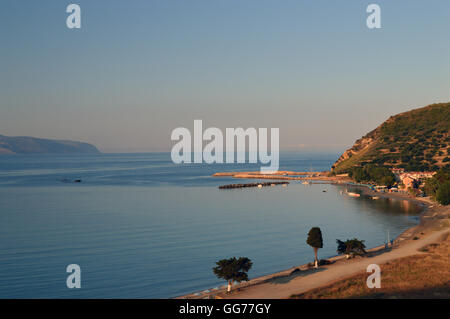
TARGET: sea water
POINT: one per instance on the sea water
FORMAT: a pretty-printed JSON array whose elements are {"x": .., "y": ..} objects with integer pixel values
[{"x": 140, "y": 226}]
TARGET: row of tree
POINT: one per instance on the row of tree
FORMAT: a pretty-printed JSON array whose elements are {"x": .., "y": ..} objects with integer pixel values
[
  {"x": 236, "y": 269},
  {"x": 373, "y": 174}
]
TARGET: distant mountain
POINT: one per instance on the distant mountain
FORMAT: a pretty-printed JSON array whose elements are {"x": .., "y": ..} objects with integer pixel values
[
  {"x": 417, "y": 140},
  {"x": 29, "y": 145}
]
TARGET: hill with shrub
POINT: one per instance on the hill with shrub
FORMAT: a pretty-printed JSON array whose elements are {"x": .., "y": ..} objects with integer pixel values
[{"x": 416, "y": 140}]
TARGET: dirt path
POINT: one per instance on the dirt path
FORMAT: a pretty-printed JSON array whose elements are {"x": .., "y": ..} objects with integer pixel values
[{"x": 284, "y": 287}]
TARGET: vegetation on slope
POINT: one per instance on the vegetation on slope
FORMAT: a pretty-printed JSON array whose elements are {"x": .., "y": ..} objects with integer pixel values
[{"x": 417, "y": 140}]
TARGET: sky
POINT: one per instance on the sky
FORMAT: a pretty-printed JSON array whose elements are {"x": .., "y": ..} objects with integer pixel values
[{"x": 138, "y": 69}]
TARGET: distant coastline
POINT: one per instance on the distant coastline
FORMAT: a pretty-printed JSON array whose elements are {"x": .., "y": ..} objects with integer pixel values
[{"x": 33, "y": 145}]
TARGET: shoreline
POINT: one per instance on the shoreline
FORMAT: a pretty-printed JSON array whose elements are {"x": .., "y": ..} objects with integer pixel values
[{"x": 427, "y": 220}]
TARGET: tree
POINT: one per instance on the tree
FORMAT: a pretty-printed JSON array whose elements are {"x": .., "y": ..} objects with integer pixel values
[
  {"x": 351, "y": 247},
  {"x": 388, "y": 180},
  {"x": 372, "y": 173},
  {"x": 315, "y": 241},
  {"x": 431, "y": 186},
  {"x": 443, "y": 193},
  {"x": 438, "y": 187},
  {"x": 233, "y": 269}
]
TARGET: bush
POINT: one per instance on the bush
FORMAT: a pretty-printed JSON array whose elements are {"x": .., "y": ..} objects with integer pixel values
[{"x": 351, "y": 247}]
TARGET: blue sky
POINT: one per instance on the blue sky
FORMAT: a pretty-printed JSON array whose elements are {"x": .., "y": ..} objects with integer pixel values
[{"x": 138, "y": 69}]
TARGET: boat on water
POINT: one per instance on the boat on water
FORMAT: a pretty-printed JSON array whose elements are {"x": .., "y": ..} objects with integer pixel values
[
  {"x": 306, "y": 183},
  {"x": 375, "y": 197},
  {"x": 353, "y": 194}
]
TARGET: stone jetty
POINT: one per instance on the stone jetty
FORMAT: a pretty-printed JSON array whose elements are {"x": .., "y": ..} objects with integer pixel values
[{"x": 231, "y": 186}]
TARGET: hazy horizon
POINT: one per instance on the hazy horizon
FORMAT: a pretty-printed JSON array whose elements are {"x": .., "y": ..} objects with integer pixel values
[{"x": 134, "y": 72}]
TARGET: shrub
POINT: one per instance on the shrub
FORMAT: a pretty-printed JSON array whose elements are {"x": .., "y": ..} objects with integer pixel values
[{"x": 351, "y": 247}]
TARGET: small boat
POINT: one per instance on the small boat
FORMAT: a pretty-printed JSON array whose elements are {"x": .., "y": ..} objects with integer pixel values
[
  {"x": 325, "y": 190},
  {"x": 353, "y": 194},
  {"x": 375, "y": 197},
  {"x": 259, "y": 186},
  {"x": 306, "y": 183}
]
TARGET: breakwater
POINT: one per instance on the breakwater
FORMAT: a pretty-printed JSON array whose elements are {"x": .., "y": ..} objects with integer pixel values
[{"x": 231, "y": 186}]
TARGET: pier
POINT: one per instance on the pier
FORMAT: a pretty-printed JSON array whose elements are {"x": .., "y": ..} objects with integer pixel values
[{"x": 232, "y": 186}]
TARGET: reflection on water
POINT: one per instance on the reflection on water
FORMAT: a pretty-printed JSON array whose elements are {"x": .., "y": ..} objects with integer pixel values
[{"x": 390, "y": 206}]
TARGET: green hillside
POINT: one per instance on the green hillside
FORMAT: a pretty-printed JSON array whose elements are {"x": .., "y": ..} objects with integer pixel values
[{"x": 417, "y": 140}]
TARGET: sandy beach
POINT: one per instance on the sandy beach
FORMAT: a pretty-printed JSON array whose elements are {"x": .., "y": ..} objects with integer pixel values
[{"x": 434, "y": 226}]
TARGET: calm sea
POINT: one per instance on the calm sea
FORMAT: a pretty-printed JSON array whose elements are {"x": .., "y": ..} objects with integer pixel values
[{"x": 142, "y": 227}]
